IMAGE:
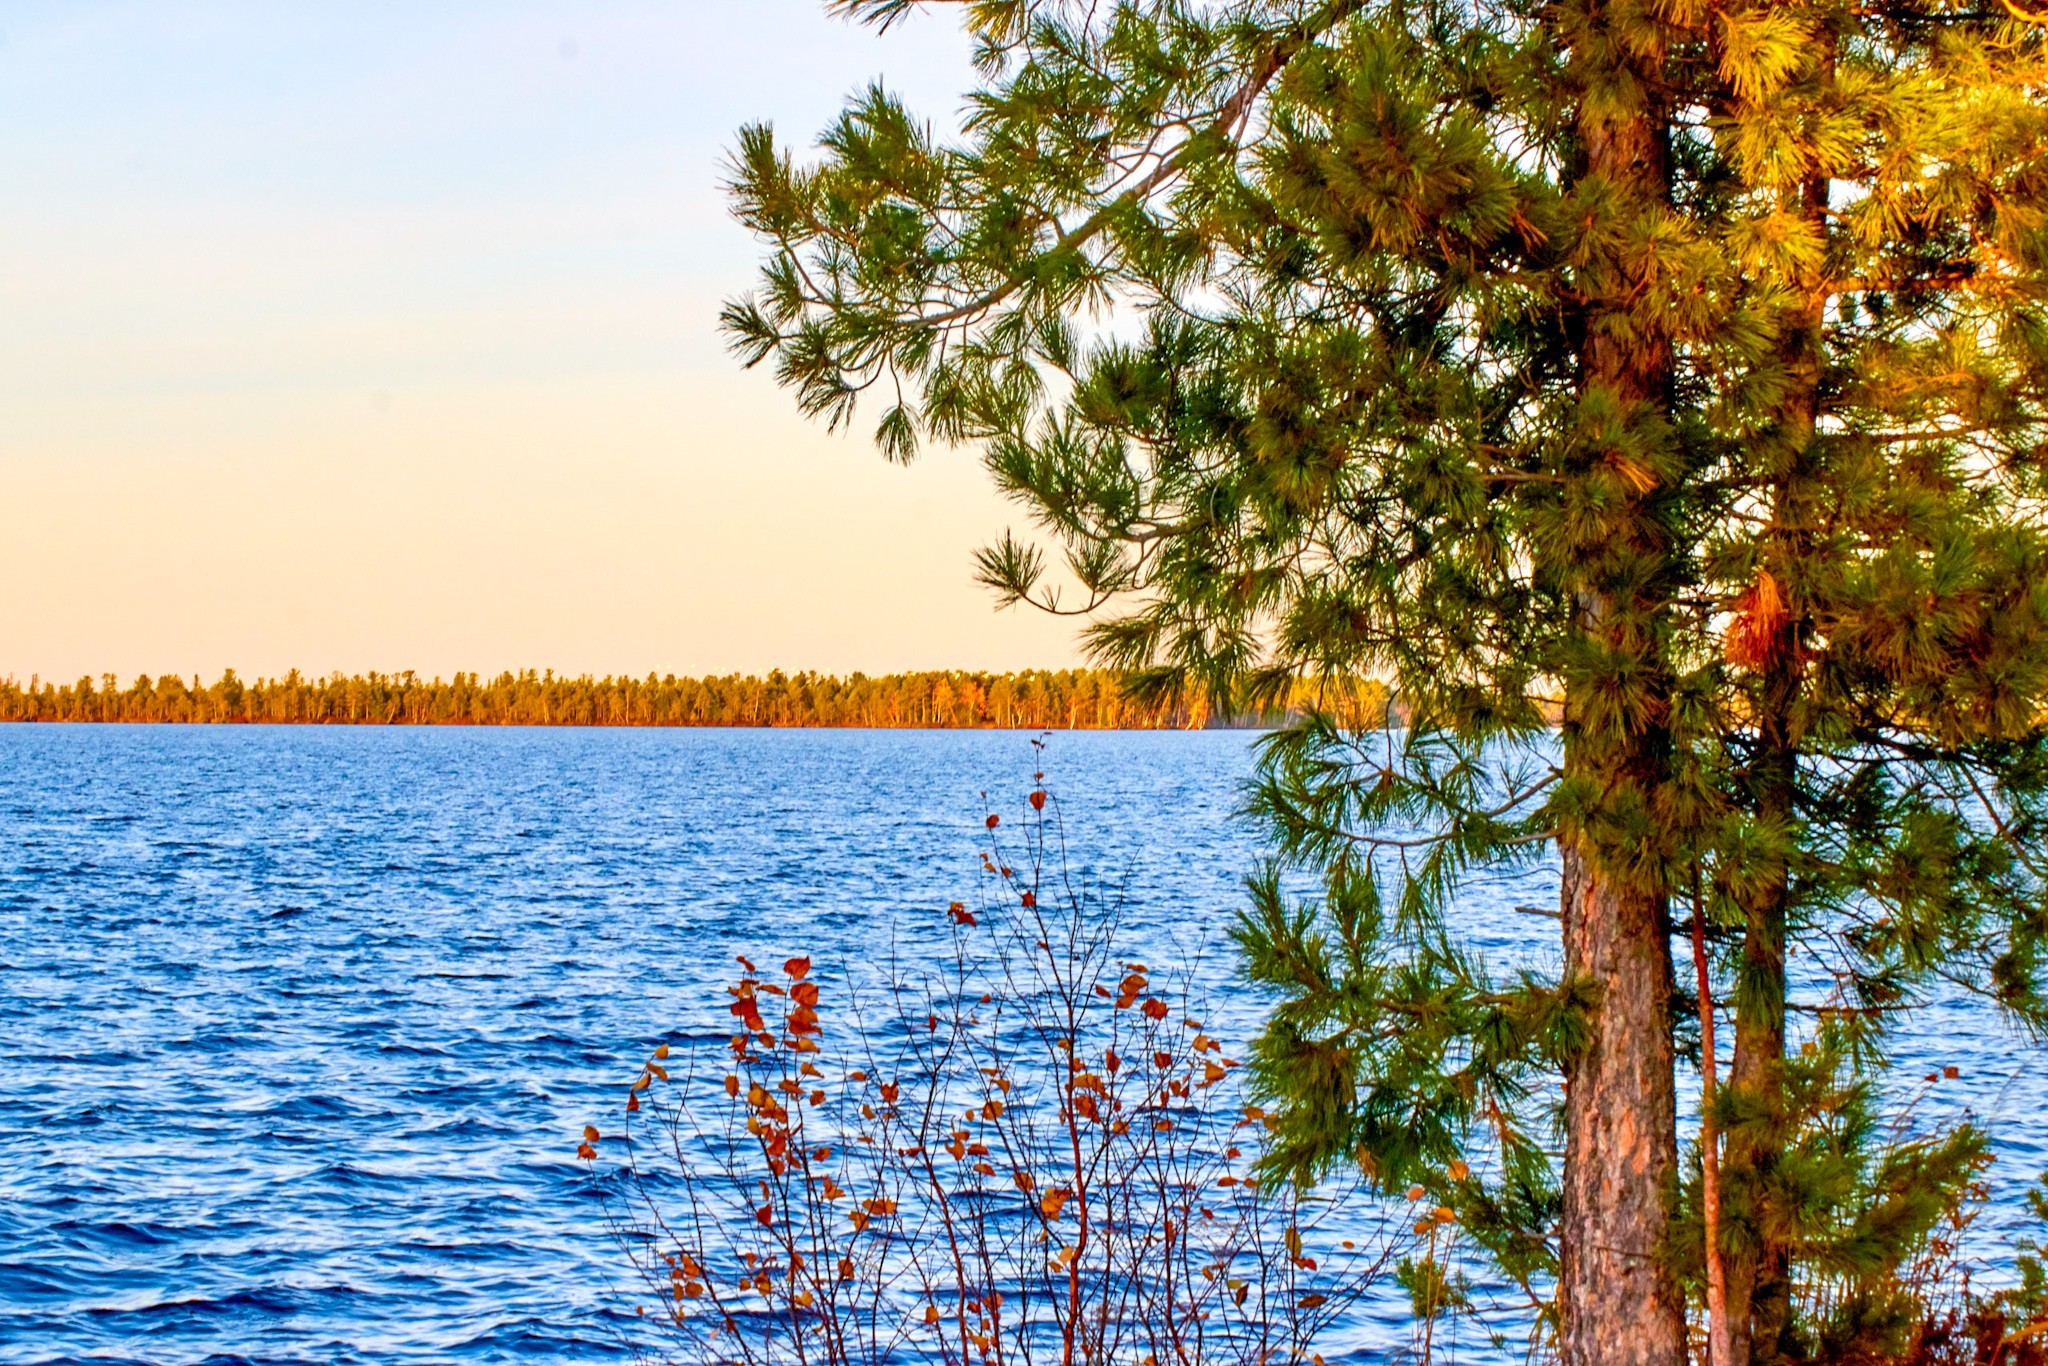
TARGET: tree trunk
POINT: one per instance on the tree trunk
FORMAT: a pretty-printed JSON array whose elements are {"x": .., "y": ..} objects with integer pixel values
[
  {"x": 1759, "y": 1289},
  {"x": 1618, "y": 1301},
  {"x": 1620, "y": 1305},
  {"x": 1718, "y": 1350}
]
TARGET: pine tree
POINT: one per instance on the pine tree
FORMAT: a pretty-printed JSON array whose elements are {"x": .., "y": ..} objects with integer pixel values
[
  {"x": 1648, "y": 389},
  {"x": 1883, "y": 170}
]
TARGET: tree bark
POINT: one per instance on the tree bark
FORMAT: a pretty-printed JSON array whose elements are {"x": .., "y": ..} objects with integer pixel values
[{"x": 1618, "y": 1301}]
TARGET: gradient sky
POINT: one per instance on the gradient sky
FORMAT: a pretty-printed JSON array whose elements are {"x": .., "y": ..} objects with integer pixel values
[{"x": 382, "y": 335}]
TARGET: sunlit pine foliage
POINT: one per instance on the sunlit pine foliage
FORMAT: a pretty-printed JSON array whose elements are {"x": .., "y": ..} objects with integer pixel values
[{"x": 1649, "y": 391}]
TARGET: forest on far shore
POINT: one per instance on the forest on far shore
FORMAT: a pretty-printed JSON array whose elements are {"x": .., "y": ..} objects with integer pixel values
[{"x": 1034, "y": 699}]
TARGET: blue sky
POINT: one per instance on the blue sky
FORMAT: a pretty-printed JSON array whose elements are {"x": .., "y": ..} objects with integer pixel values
[{"x": 383, "y": 336}]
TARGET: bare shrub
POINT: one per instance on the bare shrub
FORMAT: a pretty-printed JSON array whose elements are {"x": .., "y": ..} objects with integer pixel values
[{"x": 1029, "y": 1149}]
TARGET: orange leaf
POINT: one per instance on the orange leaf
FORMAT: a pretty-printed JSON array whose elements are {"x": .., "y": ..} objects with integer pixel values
[
  {"x": 1038, "y": 801},
  {"x": 765, "y": 1215},
  {"x": 797, "y": 967},
  {"x": 590, "y": 1133},
  {"x": 1155, "y": 1009},
  {"x": 1755, "y": 635},
  {"x": 805, "y": 994},
  {"x": 994, "y": 820}
]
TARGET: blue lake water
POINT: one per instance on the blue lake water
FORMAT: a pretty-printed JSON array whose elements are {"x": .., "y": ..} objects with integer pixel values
[{"x": 298, "y": 1026}]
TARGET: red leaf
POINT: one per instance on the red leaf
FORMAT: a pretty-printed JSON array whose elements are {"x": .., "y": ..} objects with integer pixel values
[
  {"x": 1038, "y": 801},
  {"x": 994, "y": 820},
  {"x": 797, "y": 967}
]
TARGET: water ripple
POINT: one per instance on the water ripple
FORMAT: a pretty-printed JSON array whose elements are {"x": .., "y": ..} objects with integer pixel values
[{"x": 298, "y": 1027}]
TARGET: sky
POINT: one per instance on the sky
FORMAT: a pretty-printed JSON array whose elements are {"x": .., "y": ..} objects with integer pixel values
[{"x": 382, "y": 335}]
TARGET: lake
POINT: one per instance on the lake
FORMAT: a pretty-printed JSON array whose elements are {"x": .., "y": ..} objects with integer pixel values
[{"x": 299, "y": 1026}]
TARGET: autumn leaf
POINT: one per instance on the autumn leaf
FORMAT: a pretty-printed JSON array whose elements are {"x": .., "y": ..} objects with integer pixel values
[
  {"x": 1155, "y": 1009},
  {"x": 797, "y": 967},
  {"x": 994, "y": 820},
  {"x": 1038, "y": 801}
]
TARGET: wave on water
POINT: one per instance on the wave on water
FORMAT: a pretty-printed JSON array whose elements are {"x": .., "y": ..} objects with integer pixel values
[{"x": 300, "y": 1027}]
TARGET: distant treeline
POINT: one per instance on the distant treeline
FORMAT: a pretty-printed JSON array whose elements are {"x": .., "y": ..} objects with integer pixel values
[{"x": 1049, "y": 699}]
